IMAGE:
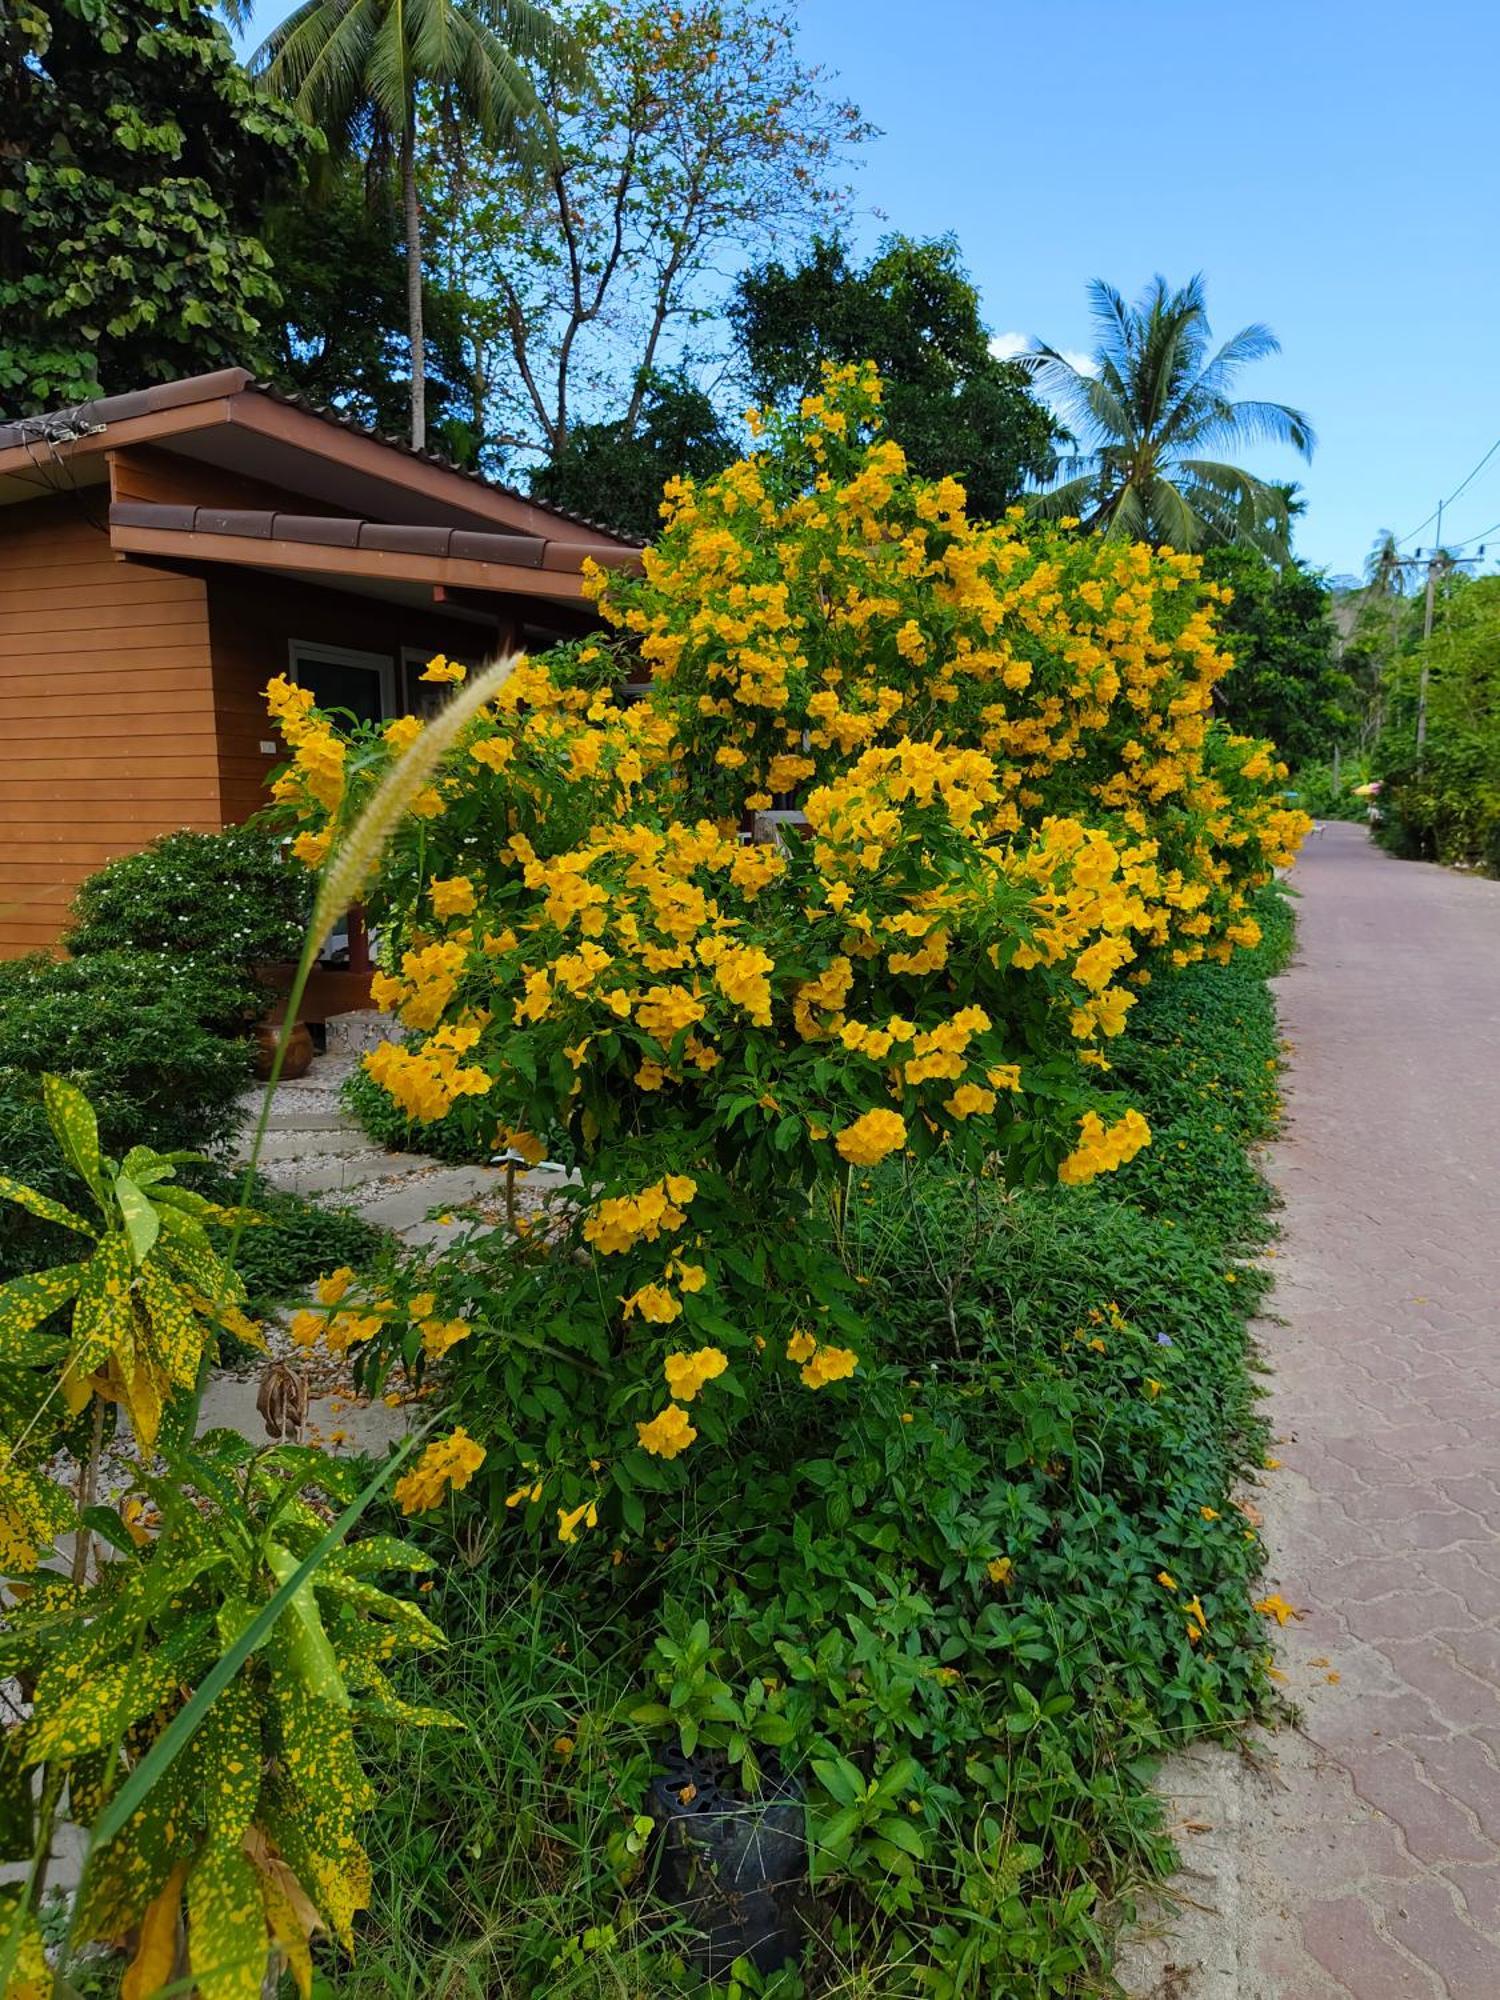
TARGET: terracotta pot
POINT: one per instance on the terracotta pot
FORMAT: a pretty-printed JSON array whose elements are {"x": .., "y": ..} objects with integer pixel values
[{"x": 299, "y": 1050}]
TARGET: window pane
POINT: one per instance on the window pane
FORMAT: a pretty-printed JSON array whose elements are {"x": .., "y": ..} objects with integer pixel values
[{"x": 337, "y": 685}]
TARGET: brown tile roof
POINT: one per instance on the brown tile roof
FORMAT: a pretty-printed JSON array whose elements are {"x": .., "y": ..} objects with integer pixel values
[
  {"x": 339, "y": 532},
  {"x": 83, "y": 420}
]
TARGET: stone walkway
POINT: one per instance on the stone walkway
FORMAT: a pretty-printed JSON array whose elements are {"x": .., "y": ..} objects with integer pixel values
[
  {"x": 1359, "y": 1852},
  {"x": 313, "y": 1146}
]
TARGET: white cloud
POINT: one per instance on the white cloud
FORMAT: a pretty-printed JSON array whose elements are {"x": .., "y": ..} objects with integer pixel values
[{"x": 1006, "y": 346}]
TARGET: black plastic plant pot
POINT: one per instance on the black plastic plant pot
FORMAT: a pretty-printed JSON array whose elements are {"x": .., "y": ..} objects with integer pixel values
[{"x": 731, "y": 1865}]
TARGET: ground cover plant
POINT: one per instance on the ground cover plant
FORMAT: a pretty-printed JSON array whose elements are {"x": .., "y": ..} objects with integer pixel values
[
  {"x": 807, "y": 1497},
  {"x": 1014, "y": 1573}
]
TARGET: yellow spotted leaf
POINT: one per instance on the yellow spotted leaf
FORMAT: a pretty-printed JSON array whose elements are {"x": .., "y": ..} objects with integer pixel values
[
  {"x": 104, "y": 1318},
  {"x": 155, "y": 1959},
  {"x": 226, "y": 1925},
  {"x": 229, "y": 1748},
  {"x": 43, "y": 1206},
  {"x": 71, "y": 1117},
  {"x": 99, "y": 1711},
  {"x": 176, "y": 1330},
  {"x": 30, "y": 1976},
  {"x": 26, "y": 1302}
]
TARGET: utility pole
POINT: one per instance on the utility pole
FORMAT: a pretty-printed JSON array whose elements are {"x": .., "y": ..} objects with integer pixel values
[
  {"x": 1437, "y": 560},
  {"x": 1432, "y": 577}
]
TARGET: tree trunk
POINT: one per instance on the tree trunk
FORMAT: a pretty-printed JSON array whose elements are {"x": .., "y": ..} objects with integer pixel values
[{"x": 411, "y": 209}]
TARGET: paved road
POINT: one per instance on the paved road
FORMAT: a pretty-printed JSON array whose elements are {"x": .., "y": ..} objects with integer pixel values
[{"x": 1362, "y": 1857}]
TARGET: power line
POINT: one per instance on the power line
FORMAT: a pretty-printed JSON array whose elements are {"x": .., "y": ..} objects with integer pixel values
[
  {"x": 1453, "y": 496},
  {"x": 1483, "y": 535}
]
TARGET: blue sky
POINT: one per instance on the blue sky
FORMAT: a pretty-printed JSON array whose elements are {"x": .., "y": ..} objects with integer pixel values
[{"x": 1331, "y": 168}]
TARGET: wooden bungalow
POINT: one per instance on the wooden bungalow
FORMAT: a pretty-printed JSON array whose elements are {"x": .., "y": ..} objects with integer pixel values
[{"x": 164, "y": 553}]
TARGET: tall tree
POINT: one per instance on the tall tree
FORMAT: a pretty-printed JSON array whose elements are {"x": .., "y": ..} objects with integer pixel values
[
  {"x": 341, "y": 334},
  {"x": 698, "y": 138},
  {"x": 914, "y": 311},
  {"x": 355, "y": 68},
  {"x": 612, "y": 474},
  {"x": 1155, "y": 395},
  {"x": 1287, "y": 681},
  {"x": 136, "y": 164}
]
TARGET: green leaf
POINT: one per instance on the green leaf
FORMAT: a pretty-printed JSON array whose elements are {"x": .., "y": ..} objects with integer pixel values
[
  {"x": 71, "y": 1117},
  {"x": 41, "y": 1205},
  {"x": 308, "y": 1650},
  {"x": 142, "y": 1224},
  {"x": 146, "y": 1167},
  {"x": 226, "y": 1925},
  {"x": 180, "y": 1731},
  {"x": 26, "y": 1302},
  {"x": 16, "y": 1810}
]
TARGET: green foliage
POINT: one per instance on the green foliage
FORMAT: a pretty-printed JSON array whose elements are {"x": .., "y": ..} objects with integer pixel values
[
  {"x": 341, "y": 335},
  {"x": 253, "y": 1823},
  {"x": 613, "y": 473},
  {"x": 138, "y": 163},
  {"x": 142, "y": 1037},
  {"x": 145, "y": 1298},
  {"x": 970, "y": 1606},
  {"x": 914, "y": 311},
  {"x": 225, "y": 902},
  {"x": 1315, "y": 788},
  {"x": 295, "y": 1240},
  {"x": 1443, "y": 804},
  {"x": 1286, "y": 684},
  {"x": 1153, "y": 400}
]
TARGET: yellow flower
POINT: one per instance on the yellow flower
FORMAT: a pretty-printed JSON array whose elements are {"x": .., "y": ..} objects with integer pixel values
[
  {"x": 423, "y": 1306},
  {"x": 533, "y": 1493},
  {"x": 999, "y": 1569},
  {"x": 801, "y": 1347},
  {"x": 311, "y": 849},
  {"x": 655, "y": 1303},
  {"x": 1275, "y": 1606},
  {"x": 871, "y": 1138},
  {"x": 668, "y": 1433},
  {"x": 438, "y": 1335},
  {"x": 687, "y": 1373},
  {"x": 568, "y": 1519},
  {"x": 829, "y": 1364},
  {"x": 1167, "y": 1582},
  {"x": 332, "y": 1288},
  {"x": 449, "y": 1462},
  {"x": 453, "y": 897},
  {"x": 306, "y": 1327},
  {"x": 442, "y": 669}
]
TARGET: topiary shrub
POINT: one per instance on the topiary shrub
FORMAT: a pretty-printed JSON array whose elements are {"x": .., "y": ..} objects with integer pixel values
[
  {"x": 143, "y": 1037},
  {"x": 227, "y": 899}
]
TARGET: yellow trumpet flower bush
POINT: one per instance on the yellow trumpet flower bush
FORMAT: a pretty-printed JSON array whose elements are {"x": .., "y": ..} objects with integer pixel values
[{"x": 998, "y": 799}]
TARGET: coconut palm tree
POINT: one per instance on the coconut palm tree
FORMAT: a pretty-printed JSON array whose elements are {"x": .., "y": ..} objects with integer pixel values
[
  {"x": 1153, "y": 397},
  {"x": 353, "y": 69}
]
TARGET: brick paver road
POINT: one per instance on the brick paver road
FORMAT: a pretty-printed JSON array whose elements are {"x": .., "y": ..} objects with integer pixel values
[{"x": 1363, "y": 1857}]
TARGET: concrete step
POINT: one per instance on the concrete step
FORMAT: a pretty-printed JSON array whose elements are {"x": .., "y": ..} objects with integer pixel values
[
  {"x": 342, "y": 1173},
  {"x": 410, "y": 1202},
  {"x": 324, "y": 1141}
]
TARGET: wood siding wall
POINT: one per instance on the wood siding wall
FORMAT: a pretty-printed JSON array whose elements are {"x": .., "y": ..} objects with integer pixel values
[{"x": 108, "y": 731}]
